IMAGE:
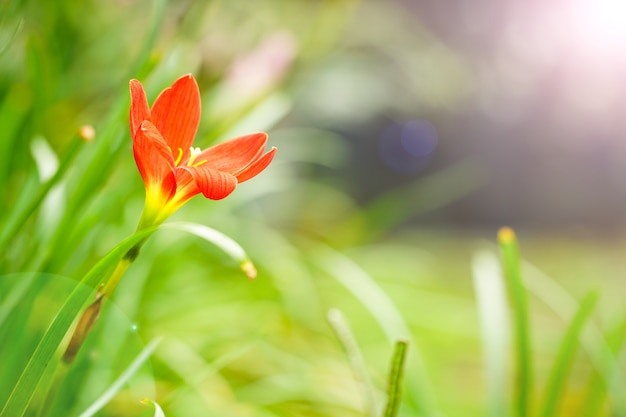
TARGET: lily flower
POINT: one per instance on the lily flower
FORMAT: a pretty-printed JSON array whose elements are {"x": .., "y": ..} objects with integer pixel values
[{"x": 174, "y": 171}]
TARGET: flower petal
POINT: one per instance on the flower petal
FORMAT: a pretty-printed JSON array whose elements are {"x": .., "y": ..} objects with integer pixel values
[
  {"x": 256, "y": 167},
  {"x": 139, "y": 110},
  {"x": 185, "y": 185},
  {"x": 233, "y": 155},
  {"x": 154, "y": 160},
  {"x": 212, "y": 183},
  {"x": 176, "y": 114}
]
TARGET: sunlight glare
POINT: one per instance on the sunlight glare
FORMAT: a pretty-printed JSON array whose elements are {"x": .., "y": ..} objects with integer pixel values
[{"x": 603, "y": 21}]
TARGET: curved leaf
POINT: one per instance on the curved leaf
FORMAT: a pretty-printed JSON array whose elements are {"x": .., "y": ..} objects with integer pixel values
[
  {"x": 158, "y": 412},
  {"x": 560, "y": 370},
  {"x": 29, "y": 379},
  {"x": 219, "y": 239},
  {"x": 123, "y": 379}
]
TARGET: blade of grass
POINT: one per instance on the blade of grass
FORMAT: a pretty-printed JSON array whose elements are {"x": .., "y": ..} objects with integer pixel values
[
  {"x": 517, "y": 292},
  {"x": 109, "y": 144},
  {"x": 11, "y": 255},
  {"x": 101, "y": 158},
  {"x": 228, "y": 245},
  {"x": 14, "y": 295},
  {"x": 193, "y": 369},
  {"x": 12, "y": 36},
  {"x": 602, "y": 355},
  {"x": 23, "y": 391},
  {"x": 143, "y": 57},
  {"x": 342, "y": 329},
  {"x": 15, "y": 354},
  {"x": 121, "y": 380},
  {"x": 110, "y": 330},
  {"x": 365, "y": 289},
  {"x": 13, "y": 113},
  {"x": 18, "y": 220},
  {"x": 598, "y": 386},
  {"x": 493, "y": 314},
  {"x": 394, "y": 389},
  {"x": 557, "y": 380},
  {"x": 284, "y": 263},
  {"x": 11, "y": 23},
  {"x": 225, "y": 243},
  {"x": 158, "y": 412}
]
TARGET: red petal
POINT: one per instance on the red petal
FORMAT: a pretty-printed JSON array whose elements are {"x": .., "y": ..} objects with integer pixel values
[
  {"x": 235, "y": 154},
  {"x": 154, "y": 160},
  {"x": 176, "y": 114},
  {"x": 256, "y": 167},
  {"x": 212, "y": 183},
  {"x": 139, "y": 110}
]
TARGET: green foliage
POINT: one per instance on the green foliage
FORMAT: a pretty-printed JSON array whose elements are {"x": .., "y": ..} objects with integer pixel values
[
  {"x": 512, "y": 268},
  {"x": 184, "y": 327},
  {"x": 395, "y": 379}
]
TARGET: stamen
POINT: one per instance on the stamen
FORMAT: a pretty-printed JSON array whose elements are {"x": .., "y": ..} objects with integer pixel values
[
  {"x": 180, "y": 156},
  {"x": 193, "y": 154}
]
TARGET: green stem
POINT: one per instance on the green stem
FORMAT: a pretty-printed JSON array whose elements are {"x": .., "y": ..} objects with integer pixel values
[
  {"x": 149, "y": 219},
  {"x": 340, "y": 325},
  {"x": 92, "y": 312},
  {"x": 394, "y": 389}
]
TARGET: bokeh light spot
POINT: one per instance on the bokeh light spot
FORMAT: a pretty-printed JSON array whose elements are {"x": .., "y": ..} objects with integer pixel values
[
  {"x": 407, "y": 147},
  {"x": 418, "y": 137}
]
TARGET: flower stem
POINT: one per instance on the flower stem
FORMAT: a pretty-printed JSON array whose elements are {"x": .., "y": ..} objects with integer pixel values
[
  {"x": 92, "y": 312},
  {"x": 85, "y": 323},
  {"x": 116, "y": 276}
]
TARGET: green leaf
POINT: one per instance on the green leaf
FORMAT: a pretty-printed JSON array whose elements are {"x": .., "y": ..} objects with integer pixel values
[
  {"x": 394, "y": 389},
  {"x": 607, "y": 377},
  {"x": 31, "y": 376},
  {"x": 5, "y": 43},
  {"x": 158, "y": 412},
  {"x": 599, "y": 384},
  {"x": 98, "y": 161},
  {"x": 341, "y": 328},
  {"x": 557, "y": 380},
  {"x": 13, "y": 111},
  {"x": 227, "y": 244},
  {"x": 365, "y": 289},
  {"x": 29, "y": 379},
  {"x": 123, "y": 379},
  {"x": 18, "y": 218},
  {"x": 517, "y": 293},
  {"x": 493, "y": 315}
]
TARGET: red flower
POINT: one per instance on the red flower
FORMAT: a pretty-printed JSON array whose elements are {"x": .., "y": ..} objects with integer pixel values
[{"x": 172, "y": 170}]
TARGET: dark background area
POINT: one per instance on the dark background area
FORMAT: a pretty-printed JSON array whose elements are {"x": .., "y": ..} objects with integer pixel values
[{"x": 538, "y": 105}]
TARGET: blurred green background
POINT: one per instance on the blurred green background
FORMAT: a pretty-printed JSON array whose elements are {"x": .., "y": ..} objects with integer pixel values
[{"x": 408, "y": 132}]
